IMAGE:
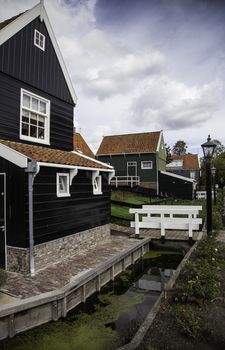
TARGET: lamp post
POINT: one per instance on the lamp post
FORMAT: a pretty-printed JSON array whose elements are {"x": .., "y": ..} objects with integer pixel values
[
  {"x": 214, "y": 183},
  {"x": 208, "y": 151}
]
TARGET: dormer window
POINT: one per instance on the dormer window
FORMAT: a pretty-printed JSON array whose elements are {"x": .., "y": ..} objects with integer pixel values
[
  {"x": 35, "y": 115},
  {"x": 39, "y": 40}
]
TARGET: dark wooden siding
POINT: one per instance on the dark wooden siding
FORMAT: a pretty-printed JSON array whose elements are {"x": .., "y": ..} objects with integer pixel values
[
  {"x": 175, "y": 187},
  {"x": 56, "y": 217},
  {"x": 20, "y": 58},
  {"x": 186, "y": 173},
  {"x": 119, "y": 162},
  {"x": 61, "y": 115},
  {"x": 16, "y": 210}
]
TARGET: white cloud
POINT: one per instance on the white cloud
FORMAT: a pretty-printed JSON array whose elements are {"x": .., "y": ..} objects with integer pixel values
[{"x": 171, "y": 104}]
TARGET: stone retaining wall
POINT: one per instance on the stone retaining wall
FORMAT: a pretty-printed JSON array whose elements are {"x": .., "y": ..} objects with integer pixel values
[{"x": 56, "y": 250}]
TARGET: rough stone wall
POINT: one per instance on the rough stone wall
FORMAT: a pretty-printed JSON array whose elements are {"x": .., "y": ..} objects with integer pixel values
[
  {"x": 53, "y": 251},
  {"x": 17, "y": 259},
  {"x": 56, "y": 250}
]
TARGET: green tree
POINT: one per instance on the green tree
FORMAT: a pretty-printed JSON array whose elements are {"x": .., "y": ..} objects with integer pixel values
[
  {"x": 219, "y": 164},
  {"x": 220, "y": 148},
  {"x": 168, "y": 153},
  {"x": 179, "y": 148}
]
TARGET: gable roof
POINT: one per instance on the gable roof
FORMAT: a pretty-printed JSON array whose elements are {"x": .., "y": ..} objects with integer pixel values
[
  {"x": 7, "y": 21},
  {"x": 81, "y": 146},
  {"x": 190, "y": 161},
  {"x": 146, "y": 142},
  {"x": 13, "y": 25},
  {"x": 53, "y": 156}
]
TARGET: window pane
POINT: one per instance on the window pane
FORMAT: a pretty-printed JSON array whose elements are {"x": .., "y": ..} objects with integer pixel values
[
  {"x": 41, "y": 133},
  {"x": 26, "y": 101},
  {"x": 33, "y": 119},
  {"x": 62, "y": 184},
  {"x": 34, "y": 104},
  {"x": 25, "y": 129},
  {"x": 42, "y": 107},
  {"x": 33, "y": 131}
]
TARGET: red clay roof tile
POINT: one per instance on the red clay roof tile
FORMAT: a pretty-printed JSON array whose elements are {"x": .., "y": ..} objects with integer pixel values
[
  {"x": 146, "y": 142},
  {"x": 49, "y": 155}
]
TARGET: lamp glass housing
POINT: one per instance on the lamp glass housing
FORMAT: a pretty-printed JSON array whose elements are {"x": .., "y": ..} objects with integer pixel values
[{"x": 208, "y": 148}]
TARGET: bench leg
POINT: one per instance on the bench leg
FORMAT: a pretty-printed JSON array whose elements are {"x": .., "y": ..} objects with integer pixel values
[{"x": 162, "y": 233}]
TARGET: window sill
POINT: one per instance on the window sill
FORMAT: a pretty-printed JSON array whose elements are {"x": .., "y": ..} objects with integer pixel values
[{"x": 32, "y": 139}]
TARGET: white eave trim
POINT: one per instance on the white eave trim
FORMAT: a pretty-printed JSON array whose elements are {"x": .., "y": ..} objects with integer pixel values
[
  {"x": 78, "y": 167},
  {"x": 13, "y": 156},
  {"x": 178, "y": 176},
  {"x": 94, "y": 160},
  {"x": 19, "y": 23},
  {"x": 159, "y": 142}
]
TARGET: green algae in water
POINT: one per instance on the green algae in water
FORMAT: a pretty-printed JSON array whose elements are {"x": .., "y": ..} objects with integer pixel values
[
  {"x": 80, "y": 331},
  {"x": 151, "y": 254}
]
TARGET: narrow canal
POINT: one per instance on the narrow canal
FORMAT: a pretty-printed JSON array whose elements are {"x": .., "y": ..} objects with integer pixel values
[{"x": 110, "y": 318}]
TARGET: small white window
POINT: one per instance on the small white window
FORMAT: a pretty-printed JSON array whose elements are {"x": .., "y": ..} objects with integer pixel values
[
  {"x": 97, "y": 185},
  {"x": 35, "y": 115},
  {"x": 146, "y": 165},
  {"x": 192, "y": 175},
  {"x": 39, "y": 40},
  {"x": 62, "y": 185}
]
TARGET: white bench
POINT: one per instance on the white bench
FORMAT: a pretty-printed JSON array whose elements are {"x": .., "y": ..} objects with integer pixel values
[{"x": 175, "y": 217}]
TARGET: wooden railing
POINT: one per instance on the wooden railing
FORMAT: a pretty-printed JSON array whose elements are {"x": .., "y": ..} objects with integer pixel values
[
  {"x": 176, "y": 217},
  {"x": 125, "y": 181}
]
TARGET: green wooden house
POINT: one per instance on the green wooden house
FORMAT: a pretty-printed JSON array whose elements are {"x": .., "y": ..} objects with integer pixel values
[{"x": 137, "y": 158}]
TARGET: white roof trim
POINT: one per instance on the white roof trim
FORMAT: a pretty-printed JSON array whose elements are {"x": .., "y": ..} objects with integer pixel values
[
  {"x": 178, "y": 176},
  {"x": 15, "y": 26},
  {"x": 79, "y": 167},
  {"x": 93, "y": 159},
  {"x": 159, "y": 141},
  {"x": 13, "y": 156}
]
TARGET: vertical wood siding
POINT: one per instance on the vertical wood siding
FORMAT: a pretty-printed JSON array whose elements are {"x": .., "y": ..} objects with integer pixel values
[
  {"x": 61, "y": 115},
  {"x": 20, "y": 58}
]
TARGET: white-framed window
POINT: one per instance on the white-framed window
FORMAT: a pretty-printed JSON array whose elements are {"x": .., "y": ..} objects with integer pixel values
[
  {"x": 192, "y": 175},
  {"x": 62, "y": 185},
  {"x": 39, "y": 40},
  {"x": 146, "y": 164},
  {"x": 175, "y": 163},
  {"x": 97, "y": 185},
  {"x": 34, "y": 117}
]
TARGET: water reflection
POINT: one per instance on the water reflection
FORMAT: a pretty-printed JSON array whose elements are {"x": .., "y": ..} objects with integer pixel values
[{"x": 154, "y": 279}]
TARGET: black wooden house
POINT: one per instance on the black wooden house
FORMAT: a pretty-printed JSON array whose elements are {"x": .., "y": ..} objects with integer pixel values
[{"x": 54, "y": 201}]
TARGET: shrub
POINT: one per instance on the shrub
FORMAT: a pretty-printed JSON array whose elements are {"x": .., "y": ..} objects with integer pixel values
[{"x": 189, "y": 323}]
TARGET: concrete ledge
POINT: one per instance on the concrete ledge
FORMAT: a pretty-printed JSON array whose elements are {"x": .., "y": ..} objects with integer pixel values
[{"x": 27, "y": 313}]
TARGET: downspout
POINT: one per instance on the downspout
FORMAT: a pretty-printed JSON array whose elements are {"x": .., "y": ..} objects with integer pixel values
[{"x": 32, "y": 170}]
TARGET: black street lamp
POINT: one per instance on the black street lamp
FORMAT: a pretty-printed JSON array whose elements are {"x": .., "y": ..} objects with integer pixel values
[
  {"x": 214, "y": 183},
  {"x": 208, "y": 151}
]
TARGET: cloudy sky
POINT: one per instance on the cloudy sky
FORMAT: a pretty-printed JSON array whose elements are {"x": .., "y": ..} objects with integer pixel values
[{"x": 142, "y": 65}]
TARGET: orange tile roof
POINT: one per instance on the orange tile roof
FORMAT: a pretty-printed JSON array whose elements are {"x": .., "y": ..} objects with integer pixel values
[
  {"x": 146, "y": 142},
  {"x": 49, "y": 155},
  {"x": 80, "y": 145},
  {"x": 190, "y": 161}
]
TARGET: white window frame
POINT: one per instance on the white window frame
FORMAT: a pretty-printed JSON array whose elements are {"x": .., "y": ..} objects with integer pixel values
[
  {"x": 192, "y": 175},
  {"x": 46, "y": 116},
  {"x": 143, "y": 163},
  {"x": 66, "y": 193},
  {"x": 97, "y": 185},
  {"x": 37, "y": 36}
]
